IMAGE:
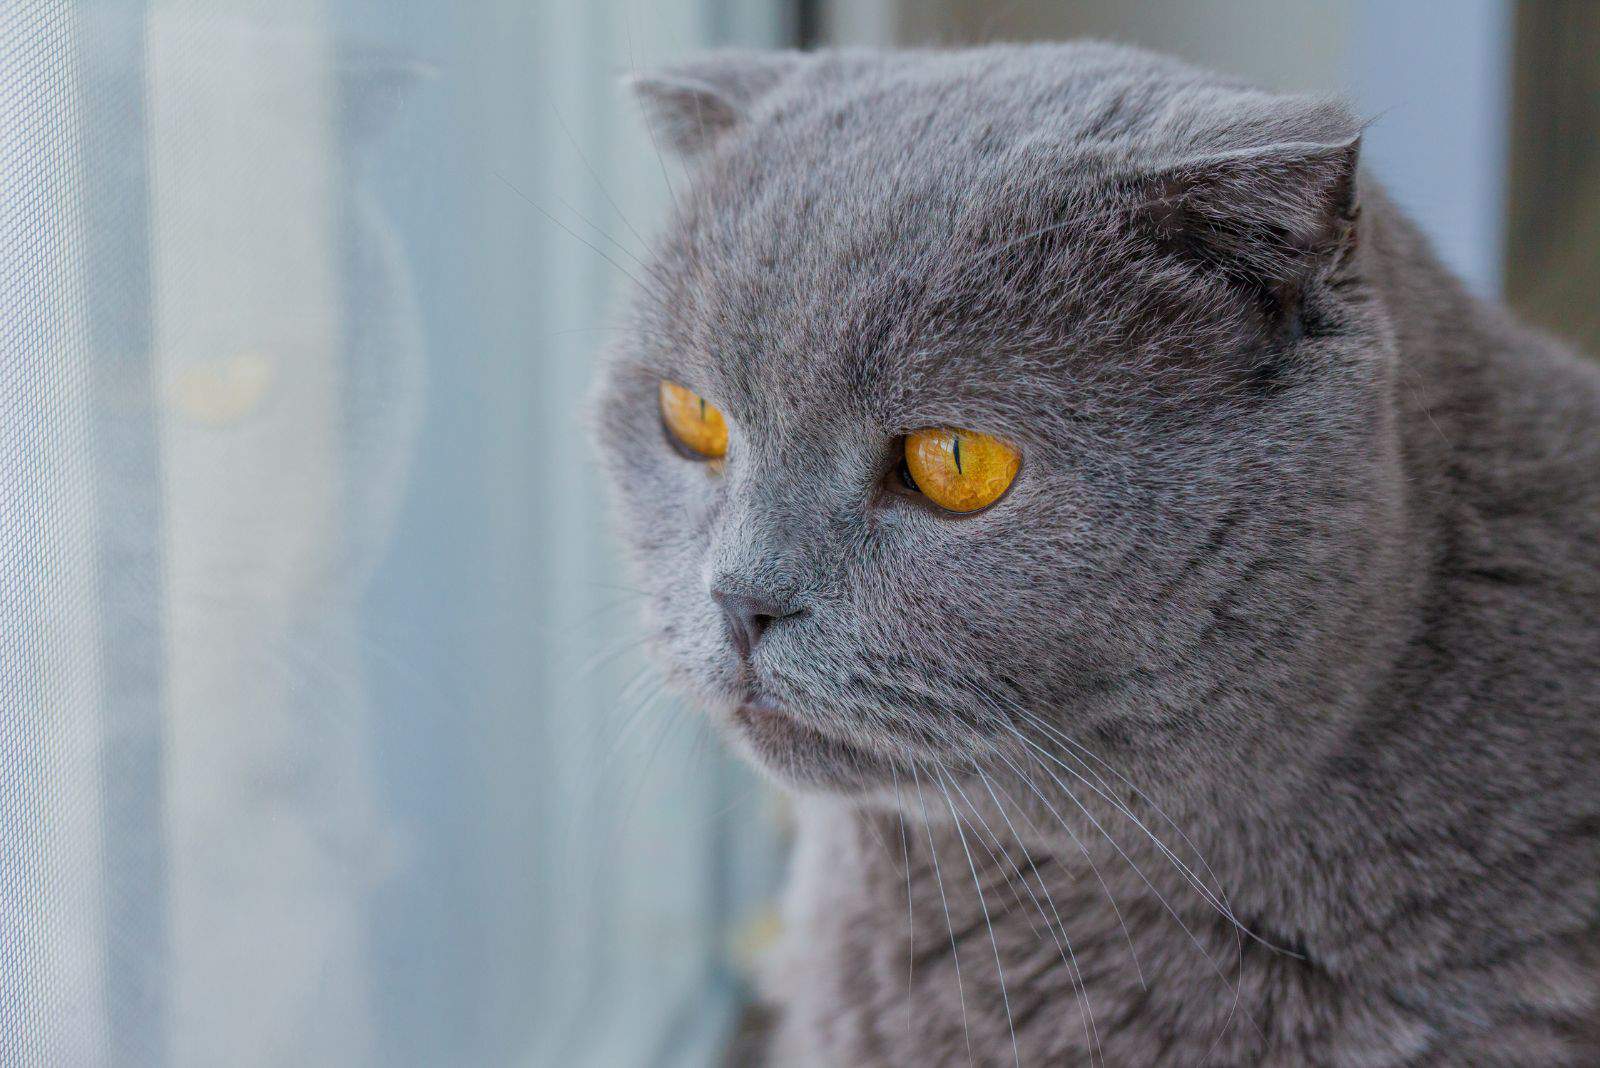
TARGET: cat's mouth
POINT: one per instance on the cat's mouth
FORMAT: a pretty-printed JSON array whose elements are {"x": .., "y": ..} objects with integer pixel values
[
  {"x": 801, "y": 754},
  {"x": 763, "y": 715}
]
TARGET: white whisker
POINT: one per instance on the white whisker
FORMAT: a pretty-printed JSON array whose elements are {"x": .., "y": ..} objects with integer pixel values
[
  {"x": 1213, "y": 897},
  {"x": 911, "y": 918},
  {"x": 1091, "y": 1029},
  {"x": 1005, "y": 997},
  {"x": 1193, "y": 938},
  {"x": 1093, "y": 867},
  {"x": 955, "y": 952}
]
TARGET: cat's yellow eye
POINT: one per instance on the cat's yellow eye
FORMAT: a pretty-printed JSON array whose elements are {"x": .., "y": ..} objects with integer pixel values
[
  {"x": 960, "y": 470},
  {"x": 695, "y": 424}
]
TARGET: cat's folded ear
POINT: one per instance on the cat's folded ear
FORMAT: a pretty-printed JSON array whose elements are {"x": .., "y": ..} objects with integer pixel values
[
  {"x": 693, "y": 105},
  {"x": 1274, "y": 217}
]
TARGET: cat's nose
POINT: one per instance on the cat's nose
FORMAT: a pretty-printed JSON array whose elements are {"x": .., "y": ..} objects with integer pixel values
[{"x": 748, "y": 617}]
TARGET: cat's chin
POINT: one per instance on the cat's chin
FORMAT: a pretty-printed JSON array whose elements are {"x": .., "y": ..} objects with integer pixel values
[{"x": 802, "y": 757}]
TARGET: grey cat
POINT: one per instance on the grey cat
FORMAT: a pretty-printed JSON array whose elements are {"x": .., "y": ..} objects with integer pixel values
[{"x": 1258, "y": 720}]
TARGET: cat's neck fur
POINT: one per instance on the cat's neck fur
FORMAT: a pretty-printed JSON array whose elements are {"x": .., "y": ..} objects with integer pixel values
[{"x": 1462, "y": 774}]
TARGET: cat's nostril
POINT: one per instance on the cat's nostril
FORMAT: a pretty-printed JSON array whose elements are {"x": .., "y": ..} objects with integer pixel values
[{"x": 748, "y": 617}]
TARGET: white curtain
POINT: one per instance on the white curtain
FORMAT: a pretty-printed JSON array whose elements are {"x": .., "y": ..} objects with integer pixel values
[{"x": 325, "y": 735}]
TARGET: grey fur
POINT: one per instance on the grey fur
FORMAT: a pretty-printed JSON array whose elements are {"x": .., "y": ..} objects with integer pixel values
[{"x": 1305, "y": 547}]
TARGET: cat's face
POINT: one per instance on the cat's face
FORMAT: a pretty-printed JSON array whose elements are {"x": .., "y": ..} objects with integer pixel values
[{"x": 1196, "y": 397}]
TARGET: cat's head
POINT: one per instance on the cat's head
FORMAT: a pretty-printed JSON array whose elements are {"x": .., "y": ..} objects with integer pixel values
[{"x": 1131, "y": 289}]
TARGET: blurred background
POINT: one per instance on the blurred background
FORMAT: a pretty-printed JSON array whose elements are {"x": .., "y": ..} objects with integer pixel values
[{"x": 324, "y": 736}]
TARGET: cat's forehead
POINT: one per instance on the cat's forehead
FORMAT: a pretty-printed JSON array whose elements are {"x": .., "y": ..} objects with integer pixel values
[{"x": 914, "y": 295}]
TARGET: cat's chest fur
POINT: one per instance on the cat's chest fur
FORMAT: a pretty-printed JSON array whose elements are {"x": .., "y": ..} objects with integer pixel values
[{"x": 867, "y": 972}]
